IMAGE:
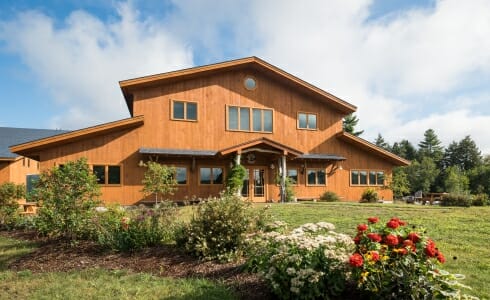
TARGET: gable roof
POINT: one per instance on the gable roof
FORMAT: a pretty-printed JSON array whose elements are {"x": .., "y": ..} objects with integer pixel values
[
  {"x": 370, "y": 147},
  {"x": 130, "y": 85},
  {"x": 12, "y": 136},
  {"x": 71, "y": 136},
  {"x": 261, "y": 141}
]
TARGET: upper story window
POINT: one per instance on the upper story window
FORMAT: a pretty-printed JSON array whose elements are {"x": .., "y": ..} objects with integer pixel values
[
  {"x": 250, "y": 119},
  {"x": 184, "y": 110},
  {"x": 307, "y": 121},
  {"x": 366, "y": 177},
  {"x": 250, "y": 83}
]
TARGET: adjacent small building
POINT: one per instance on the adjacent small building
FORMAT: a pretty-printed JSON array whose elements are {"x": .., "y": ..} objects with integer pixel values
[{"x": 203, "y": 120}]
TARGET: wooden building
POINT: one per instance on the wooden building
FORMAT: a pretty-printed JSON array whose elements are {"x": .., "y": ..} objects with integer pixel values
[
  {"x": 15, "y": 168},
  {"x": 204, "y": 119}
]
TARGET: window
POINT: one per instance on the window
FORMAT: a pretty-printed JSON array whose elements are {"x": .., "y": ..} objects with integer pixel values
[
  {"x": 107, "y": 174},
  {"x": 316, "y": 177},
  {"x": 250, "y": 119},
  {"x": 293, "y": 176},
  {"x": 307, "y": 121},
  {"x": 250, "y": 83},
  {"x": 367, "y": 177},
  {"x": 181, "y": 175},
  {"x": 211, "y": 175},
  {"x": 183, "y": 110}
]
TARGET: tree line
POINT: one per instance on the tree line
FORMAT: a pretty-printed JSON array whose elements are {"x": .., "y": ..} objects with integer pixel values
[{"x": 458, "y": 168}]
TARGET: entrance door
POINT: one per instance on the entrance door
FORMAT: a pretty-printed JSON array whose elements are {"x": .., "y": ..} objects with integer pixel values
[{"x": 254, "y": 185}]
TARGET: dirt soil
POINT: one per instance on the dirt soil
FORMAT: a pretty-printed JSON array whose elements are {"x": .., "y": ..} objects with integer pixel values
[{"x": 55, "y": 255}]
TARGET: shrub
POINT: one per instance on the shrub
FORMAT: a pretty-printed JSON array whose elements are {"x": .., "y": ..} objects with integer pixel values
[
  {"x": 329, "y": 196},
  {"x": 456, "y": 200},
  {"x": 104, "y": 225},
  {"x": 394, "y": 261},
  {"x": 234, "y": 182},
  {"x": 480, "y": 200},
  {"x": 218, "y": 227},
  {"x": 141, "y": 228},
  {"x": 68, "y": 196},
  {"x": 10, "y": 193},
  {"x": 369, "y": 195},
  {"x": 308, "y": 263}
]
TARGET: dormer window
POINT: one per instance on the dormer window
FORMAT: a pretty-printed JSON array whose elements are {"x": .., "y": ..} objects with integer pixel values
[{"x": 184, "y": 110}]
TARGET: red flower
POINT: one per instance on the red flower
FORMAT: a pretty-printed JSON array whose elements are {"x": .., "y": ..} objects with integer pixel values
[
  {"x": 430, "y": 249},
  {"x": 373, "y": 220},
  {"x": 374, "y": 237},
  {"x": 414, "y": 237},
  {"x": 391, "y": 240},
  {"x": 362, "y": 227},
  {"x": 409, "y": 244},
  {"x": 393, "y": 224},
  {"x": 374, "y": 255},
  {"x": 356, "y": 260},
  {"x": 441, "y": 258},
  {"x": 357, "y": 240}
]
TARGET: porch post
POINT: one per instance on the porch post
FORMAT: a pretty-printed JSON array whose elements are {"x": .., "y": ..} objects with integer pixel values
[
  {"x": 237, "y": 162},
  {"x": 283, "y": 178}
]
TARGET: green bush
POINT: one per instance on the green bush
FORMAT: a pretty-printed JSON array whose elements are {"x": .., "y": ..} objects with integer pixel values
[
  {"x": 370, "y": 195},
  {"x": 10, "y": 193},
  {"x": 480, "y": 200},
  {"x": 68, "y": 197},
  {"x": 140, "y": 228},
  {"x": 234, "y": 182},
  {"x": 329, "y": 196},
  {"x": 308, "y": 263},
  {"x": 218, "y": 227},
  {"x": 456, "y": 200},
  {"x": 105, "y": 223}
]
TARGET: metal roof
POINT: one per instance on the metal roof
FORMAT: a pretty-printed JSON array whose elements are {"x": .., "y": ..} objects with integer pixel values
[
  {"x": 321, "y": 156},
  {"x": 10, "y": 136},
  {"x": 177, "y": 152}
]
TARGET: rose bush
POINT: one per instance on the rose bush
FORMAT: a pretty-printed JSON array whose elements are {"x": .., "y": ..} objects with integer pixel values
[{"x": 395, "y": 261}]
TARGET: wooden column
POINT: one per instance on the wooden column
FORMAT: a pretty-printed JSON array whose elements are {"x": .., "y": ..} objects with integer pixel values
[{"x": 283, "y": 178}]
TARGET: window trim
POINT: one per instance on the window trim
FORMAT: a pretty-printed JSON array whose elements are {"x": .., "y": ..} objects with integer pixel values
[
  {"x": 185, "y": 102},
  {"x": 186, "y": 174},
  {"x": 307, "y": 117},
  {"x": 212, "y": 181},
  {"x": 368, "y": 179},
  {"x": 316, "y": 177},
  {"x": 250, "y": 116},
  {"x": 297, "y": 175},
  {"x": 106, "y": 174}
]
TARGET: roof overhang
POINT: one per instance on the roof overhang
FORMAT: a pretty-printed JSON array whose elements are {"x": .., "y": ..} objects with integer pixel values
[
  {"x": 129, "y": 86},
  {"x": 262, "y": 145},
  {"x": 30, "y": 148},
  {"x": 321, "y": 156},
  {"x": 370, "y": 147},
  {"x": 9, "y": 159},
  {"x": 177, "y": 152}
]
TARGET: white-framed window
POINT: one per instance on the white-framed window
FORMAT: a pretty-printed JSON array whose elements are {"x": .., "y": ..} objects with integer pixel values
[
  {"x": 307, "y": 121},
  {"x": 367, "y": 177},
  {"x": 250, "y": 119},
  {"x": 184, "y": 110}
]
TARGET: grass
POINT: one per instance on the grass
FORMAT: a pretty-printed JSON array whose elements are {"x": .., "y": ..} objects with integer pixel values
[
  {"x": 462, "y": 234},
  {"x": 104, "y": 284}
]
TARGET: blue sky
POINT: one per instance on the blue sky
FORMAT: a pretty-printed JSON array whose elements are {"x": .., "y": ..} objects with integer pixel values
[{"x": 407, "y": 65}]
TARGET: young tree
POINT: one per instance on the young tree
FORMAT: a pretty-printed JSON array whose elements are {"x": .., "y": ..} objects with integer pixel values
[
  {"x": 399, "y": 184},
  {"x": 455, "y": 181},
  {"x": 159, "y": 180},
  {"x": 349, "y": 123},
  {"x": 422, "y": 175},
  {"x": 431, "y": 146},
  {"x": 380, "y": 142},
  {"x": 69, "y": 195}
]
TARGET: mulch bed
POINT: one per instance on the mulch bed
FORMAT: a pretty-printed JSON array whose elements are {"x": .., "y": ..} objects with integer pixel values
[{"x": 165, "y": 261}]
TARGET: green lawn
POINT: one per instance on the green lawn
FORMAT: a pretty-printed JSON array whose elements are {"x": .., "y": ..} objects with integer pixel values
[{"x": 462, "y": 234}]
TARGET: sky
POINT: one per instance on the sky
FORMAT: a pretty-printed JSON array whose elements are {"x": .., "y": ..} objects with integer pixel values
[{"x": 407, "y": 65}]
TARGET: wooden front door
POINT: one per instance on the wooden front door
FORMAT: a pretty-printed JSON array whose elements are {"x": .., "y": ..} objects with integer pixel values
[{"x": 254, "y": 184}]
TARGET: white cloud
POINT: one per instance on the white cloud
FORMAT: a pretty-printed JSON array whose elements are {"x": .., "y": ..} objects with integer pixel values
[{"x": 82, "y": 60}]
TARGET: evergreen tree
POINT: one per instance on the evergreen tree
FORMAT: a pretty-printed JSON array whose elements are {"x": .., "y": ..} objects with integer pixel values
[
  {"x": 430, "y": 146},
  {"x": 404, "y": 149},
  {"x": 380, "y": 142},
  {"x": 422, "y": 175},
  {"x": 349, "y": 123}
]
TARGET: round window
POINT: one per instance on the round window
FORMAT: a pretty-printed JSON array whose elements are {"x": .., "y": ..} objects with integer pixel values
[{"x": 250, "y": 83}]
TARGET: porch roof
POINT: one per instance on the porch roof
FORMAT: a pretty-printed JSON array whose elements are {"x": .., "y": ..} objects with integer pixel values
[
  {"x": 286, "y": 150},
  {"x": 177, "y": 152},
  {"x": 321, "y": 156}
]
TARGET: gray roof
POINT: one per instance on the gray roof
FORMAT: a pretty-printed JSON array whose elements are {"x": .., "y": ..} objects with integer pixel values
[
  {"x": 14, "y": 136},
  {"x": 177, "y": 152},
  {"x": 321, "y": 156}
]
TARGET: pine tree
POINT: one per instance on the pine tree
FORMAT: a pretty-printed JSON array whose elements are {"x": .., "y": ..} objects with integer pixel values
[
  {"x": 431, "y": 146},
  {"x": 380, "y": 142},
  {"x": 349, "y": 123}
]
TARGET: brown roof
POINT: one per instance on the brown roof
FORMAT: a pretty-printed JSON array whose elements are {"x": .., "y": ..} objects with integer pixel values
[
  {"x": 363, "y": 144},
  {"x": 130, "y": 85}
]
